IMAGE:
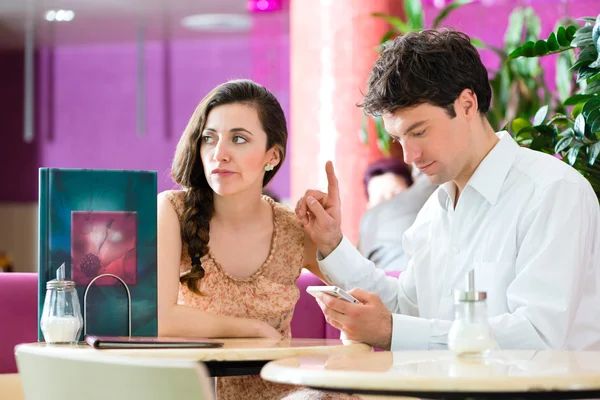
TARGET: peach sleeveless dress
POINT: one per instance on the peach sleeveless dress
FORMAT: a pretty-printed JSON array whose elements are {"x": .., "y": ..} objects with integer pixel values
[{"x": 269, "y": 295}]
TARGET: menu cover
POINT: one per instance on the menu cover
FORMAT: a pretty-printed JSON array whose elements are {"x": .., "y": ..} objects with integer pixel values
[
  {"x": 101, "y": 222},
  {"x": 125, "y": 342}
]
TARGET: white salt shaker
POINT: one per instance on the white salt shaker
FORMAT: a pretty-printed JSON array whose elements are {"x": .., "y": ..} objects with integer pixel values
[
  {"x": 61, "y": 320},
  {"x": 470, "y": 334}
]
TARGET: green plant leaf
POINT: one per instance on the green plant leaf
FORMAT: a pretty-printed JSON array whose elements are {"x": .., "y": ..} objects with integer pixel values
[
  {"x": 583, "y": 37},
  {"x": 526, "y": 133},
  {"x": 585, "y": 58},
  {"x": 563, "y": 144},
  {"x": 540, "y": 48},
  {"x": 383, "y": 141},
  {"x": 593, "y": 150},
  {"x": 596, "y": 33},
  {"x": 573, "y": 152},
  {"x": 571, "y": 33},
  {"x": 533, "y": 24},
  {"x": 569, "y": 132},
  {"x": 388, "y": 35},
  {"x": 563, "y": 75},
  {"x": 577, "y": 110},
  {"x": 525, "y": 50},
  {"x": 561, "y": 36},
  {"x": 514, "y": 31},
  {"x": 478, "y": 43},
  {"x": 586, "y": 73},
  {"x": 579, "y": 127},
  {"x": 596, "y": 64},
  {"x": 540, "y": 116},
  {"x": 593, "y": 87},
  {"x": 595, "y": 76},
  {"x": 414, "y": 14},
  {"x": 559, "y": 119},
  {"x": 588, "y": 19},
  {"x": 591, "y": 112},
  {"x": 395, "y": 22},
  {"x": 447, "y": 10},
  {"x": 584, "y": 42},
  {"x": 552, "y": 42},
  {"x": 518, "y": 124},
  {"x": 578, "y": 98},
  {"x": 383, "y": 145},
  {"x": 364, "y": 129},
  {"x": 548, "y": 131}
]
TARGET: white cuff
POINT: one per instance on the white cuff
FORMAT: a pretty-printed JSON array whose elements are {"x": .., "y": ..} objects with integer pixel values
[
  {"x": 410, "y": 333},
  {"x": 340, "y": 264}
]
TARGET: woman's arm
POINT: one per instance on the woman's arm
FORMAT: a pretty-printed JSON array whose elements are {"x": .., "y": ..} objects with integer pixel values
[
  {"x": 310, "y": 258},
  {"x": 179, "y": 320}
]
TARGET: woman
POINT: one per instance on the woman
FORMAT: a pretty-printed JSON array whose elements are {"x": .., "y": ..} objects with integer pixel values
[{"x": 228, "y": 256}]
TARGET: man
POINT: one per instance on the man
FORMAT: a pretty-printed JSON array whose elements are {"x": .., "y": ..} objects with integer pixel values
[
  {"x": 395, "y": 199},
  {"x": 526, "y": 222}
]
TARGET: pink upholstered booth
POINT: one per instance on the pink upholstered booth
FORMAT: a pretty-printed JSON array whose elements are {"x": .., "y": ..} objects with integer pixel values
[{"x": 18, "y": 314}]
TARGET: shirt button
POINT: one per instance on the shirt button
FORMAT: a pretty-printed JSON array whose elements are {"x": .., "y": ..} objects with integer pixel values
[{"x": 455, "y": 249}]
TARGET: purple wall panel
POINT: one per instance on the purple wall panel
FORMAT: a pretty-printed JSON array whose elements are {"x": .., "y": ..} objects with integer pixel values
[
  {"x": 86, "y": 106},
  {"x": 18, "y": 160}
]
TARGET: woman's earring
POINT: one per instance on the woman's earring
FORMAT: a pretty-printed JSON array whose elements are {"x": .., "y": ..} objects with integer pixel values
[{"x": 268, "y": 167}]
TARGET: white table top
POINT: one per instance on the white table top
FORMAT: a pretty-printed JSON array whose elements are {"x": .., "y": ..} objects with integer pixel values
[
  {"x": 442, "y": 372},
  {"x": 233, "y": 350}
]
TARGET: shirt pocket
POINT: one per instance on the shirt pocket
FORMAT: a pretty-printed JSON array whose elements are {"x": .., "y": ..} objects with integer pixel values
[{"x": 494, "y": 279}]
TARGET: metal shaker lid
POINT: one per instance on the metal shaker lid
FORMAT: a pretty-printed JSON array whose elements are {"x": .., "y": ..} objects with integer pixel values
[
  {"x": 60, "y": 282},
  {"x": 470, "y": 295}
]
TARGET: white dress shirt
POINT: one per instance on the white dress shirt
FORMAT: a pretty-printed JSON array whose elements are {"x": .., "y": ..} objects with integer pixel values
[{"x": 528, "y": 224}]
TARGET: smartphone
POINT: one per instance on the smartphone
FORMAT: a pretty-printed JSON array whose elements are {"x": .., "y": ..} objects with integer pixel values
[{"x": 332, "y": 291}]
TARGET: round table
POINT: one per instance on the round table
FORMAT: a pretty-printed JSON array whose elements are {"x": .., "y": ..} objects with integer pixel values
[
  {"x": 440, "y": 374},
  {"x": 236, "y": 357}
]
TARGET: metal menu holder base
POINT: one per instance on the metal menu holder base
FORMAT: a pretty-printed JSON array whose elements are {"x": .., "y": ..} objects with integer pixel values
[{"x": 85, "y": 300}]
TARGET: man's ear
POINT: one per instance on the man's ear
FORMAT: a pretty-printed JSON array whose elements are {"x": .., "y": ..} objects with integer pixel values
[{"x": 466, "y": 104}]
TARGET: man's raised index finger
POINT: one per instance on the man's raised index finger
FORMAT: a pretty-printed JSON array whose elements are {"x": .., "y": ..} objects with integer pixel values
[{"x": 332, "y": 181}]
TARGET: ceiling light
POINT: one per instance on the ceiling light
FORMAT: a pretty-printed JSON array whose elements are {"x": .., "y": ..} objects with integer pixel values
[
  {"x": 264, "y": 5},
  {"x": 218, "y": 22},
  {"x": 59, "y": 15}
]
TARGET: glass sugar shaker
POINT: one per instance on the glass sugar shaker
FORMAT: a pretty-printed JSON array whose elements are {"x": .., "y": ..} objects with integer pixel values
[
  {"x": 470, "y": 334},
  {"x": 61, "y": 320}
]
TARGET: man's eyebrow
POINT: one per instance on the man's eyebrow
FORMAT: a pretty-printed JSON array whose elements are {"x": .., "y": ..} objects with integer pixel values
[
  {"x": 241, "y": 130},
  {"x": 413, "y": 126}
]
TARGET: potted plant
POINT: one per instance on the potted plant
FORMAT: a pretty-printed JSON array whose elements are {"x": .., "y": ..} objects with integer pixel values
[{"x": 573, "y": 136}]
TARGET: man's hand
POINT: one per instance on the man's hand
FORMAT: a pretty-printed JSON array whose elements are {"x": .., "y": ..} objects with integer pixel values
[
  {"x": 321, "y": 214},
  {"x": 369, "y": 322}
]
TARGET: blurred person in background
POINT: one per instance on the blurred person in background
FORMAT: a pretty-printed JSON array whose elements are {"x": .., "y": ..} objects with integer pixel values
[{"x": 395, "y": 198}]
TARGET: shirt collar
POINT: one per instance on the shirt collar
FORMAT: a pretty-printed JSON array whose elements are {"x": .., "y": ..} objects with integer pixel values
[{"x": 491, "y": 173}]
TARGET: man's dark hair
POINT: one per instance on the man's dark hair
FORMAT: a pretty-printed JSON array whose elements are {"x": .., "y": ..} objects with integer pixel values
[{"x": 432, "y": 66}]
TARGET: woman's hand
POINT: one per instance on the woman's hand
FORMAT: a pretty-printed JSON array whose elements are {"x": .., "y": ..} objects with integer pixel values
[{"x": 265, "y": 330}]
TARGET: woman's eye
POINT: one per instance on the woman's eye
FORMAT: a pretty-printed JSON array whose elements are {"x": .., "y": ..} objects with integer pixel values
[
  {"x": 207, "y": 139},
  {"x": 418, "y": 133},
  {"x": 239, "y": 139}
]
